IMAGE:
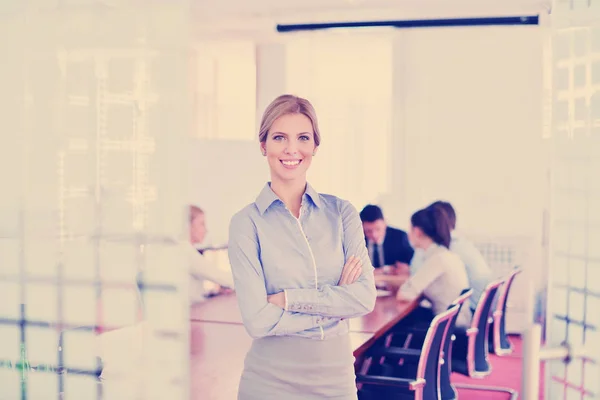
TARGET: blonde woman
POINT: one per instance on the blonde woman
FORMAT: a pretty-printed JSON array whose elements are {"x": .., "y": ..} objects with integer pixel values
[
  {"x": 300, "y": 268},
  {"x": 202, "y": 270}
]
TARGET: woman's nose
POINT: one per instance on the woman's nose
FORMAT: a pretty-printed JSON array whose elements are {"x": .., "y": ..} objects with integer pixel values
[{"x": 291, "y": 150}]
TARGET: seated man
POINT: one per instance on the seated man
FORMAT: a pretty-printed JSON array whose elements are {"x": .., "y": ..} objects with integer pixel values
[
  {"x": 200, "y": 269},
  {"x": 387, "y": 246},
  {"x": 478, "y": 271}
]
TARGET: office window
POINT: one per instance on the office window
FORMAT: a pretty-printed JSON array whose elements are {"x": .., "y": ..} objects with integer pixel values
[
  {"x": 225, "y": 90},
  {"x": 348, "y": 78}
]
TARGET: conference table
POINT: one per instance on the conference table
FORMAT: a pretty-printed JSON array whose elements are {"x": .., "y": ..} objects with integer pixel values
[{"x": 219, "y": 341}]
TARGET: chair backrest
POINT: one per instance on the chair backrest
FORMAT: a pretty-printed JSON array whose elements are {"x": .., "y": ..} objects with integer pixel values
[
  {"x": 460, "y": 301},
  {"x": 478, "y": 333},
  {"x": 430, "y": 360},
  {"x": 499, "y": 314},
  {"x": 503, "y": 293},
  {"x": 463, "y": 298}
]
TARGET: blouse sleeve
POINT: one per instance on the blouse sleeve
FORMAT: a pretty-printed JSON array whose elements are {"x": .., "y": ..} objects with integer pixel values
[{"x": 346, "y": 301}]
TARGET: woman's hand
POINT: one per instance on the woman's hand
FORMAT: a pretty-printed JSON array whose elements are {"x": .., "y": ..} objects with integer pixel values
[
  {"x": 277, "y": 299},
  {"x": 351, "y": 271}
]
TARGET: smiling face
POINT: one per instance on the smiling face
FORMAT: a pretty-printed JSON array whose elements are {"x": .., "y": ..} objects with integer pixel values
[{"x": 289, "y": 147}]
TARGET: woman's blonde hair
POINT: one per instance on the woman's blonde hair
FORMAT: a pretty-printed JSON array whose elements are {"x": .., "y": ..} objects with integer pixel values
[{"x": 288, "y": 104}]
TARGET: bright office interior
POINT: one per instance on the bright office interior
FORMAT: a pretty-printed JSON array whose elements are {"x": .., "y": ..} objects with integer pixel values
[{"x": 112, "y": 131}]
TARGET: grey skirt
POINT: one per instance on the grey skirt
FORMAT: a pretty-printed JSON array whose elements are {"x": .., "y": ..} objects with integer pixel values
[{"x": 296, "y": 368}]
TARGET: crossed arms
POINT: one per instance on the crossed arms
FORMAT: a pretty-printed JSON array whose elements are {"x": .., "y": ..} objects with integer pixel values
[{"x": 264, "y": 315}]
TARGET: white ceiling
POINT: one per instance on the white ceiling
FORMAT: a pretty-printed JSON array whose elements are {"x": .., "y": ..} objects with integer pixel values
[{"x": 289, "y": 7}]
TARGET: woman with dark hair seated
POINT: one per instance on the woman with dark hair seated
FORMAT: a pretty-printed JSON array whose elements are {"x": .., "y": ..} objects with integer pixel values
[{"x": 442, "y": 276}]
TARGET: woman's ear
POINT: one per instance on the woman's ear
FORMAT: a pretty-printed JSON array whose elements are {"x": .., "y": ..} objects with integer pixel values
[
  {"x": 416, "y": 234},
  {"x": 315, "y": 150},
  {"x": 263, "y": 148}
]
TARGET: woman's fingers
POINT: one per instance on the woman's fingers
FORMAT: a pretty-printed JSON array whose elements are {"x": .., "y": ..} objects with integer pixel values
[
  {"x": 351, "y": 271},
  {"x": 356, "y": 272},
  {"x": 346, "y": 271}
]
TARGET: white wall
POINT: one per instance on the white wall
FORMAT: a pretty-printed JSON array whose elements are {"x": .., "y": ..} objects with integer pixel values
[
  {"x": 468, "y": 129},
  {"x": 470, "y": 126},
  {"x": 347, "y": 78},
  {"x": 225, "y": 176},
  {"x": 415, "y": 115}
]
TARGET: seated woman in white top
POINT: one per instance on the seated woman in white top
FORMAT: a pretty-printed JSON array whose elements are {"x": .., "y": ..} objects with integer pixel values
[
  {"x": 200, "y": 269},
  {"x": 442, "y": 276},
  {"x": 478, "y": 271}
]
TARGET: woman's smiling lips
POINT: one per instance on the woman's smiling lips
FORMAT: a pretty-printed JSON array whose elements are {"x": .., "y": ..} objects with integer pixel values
[{"x": 290, "y": 164}]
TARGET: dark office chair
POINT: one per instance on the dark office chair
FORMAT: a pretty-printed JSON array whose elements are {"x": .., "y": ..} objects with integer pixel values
[
  {"x": 394, "y": 375},
  {"x": 447, "y": 390},
  {"x": 413, "y": 338},
  {"x": 499, "y": 342},
  {"x": 470, "y": 347}
]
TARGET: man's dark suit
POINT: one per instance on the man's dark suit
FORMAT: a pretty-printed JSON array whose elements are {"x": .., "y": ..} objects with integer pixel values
[{"x": 396, "y": 247}]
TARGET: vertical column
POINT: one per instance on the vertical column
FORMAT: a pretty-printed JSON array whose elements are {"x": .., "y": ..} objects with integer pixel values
[
  {"x": 395, "y": 202},
  {"x": 270, "y": 75}
]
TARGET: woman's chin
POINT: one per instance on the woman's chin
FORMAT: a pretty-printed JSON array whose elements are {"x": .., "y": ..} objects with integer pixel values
[{"x": 291, "y": 175}]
